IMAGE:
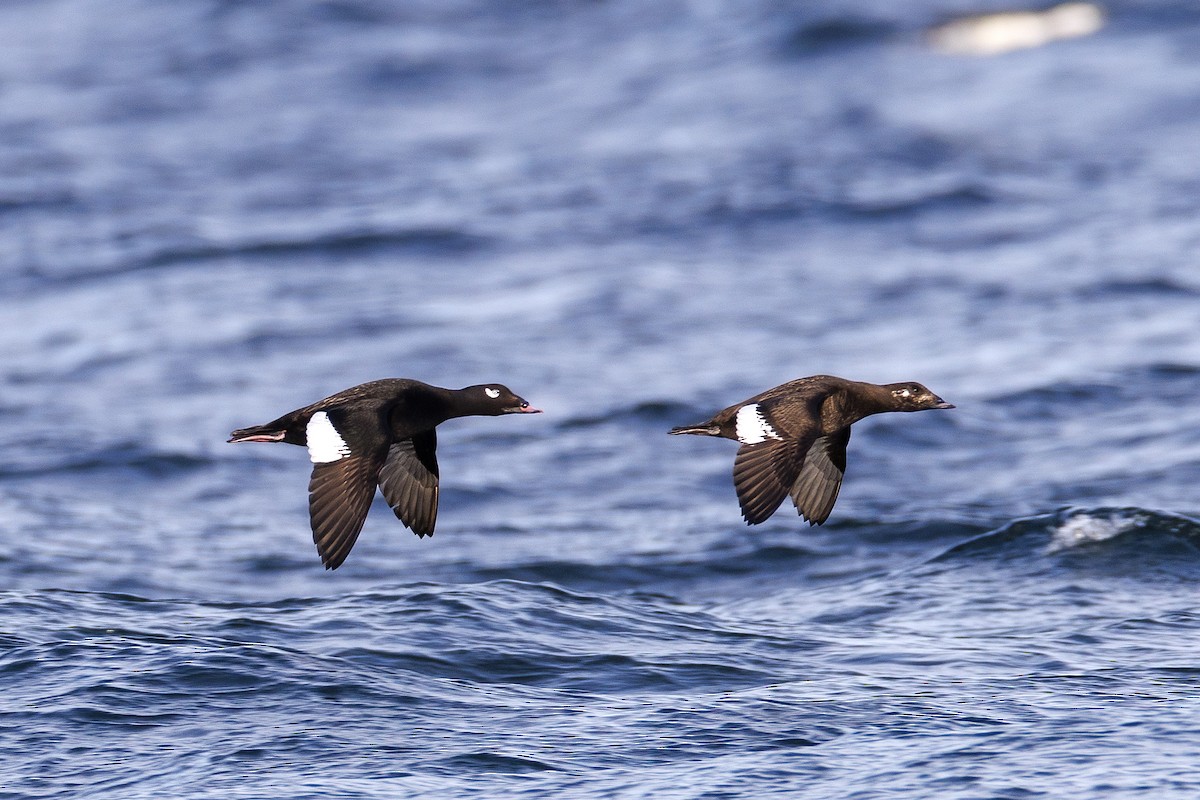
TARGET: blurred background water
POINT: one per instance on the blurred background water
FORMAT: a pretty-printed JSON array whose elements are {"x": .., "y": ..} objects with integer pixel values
[{"x": 634, "y": 215}]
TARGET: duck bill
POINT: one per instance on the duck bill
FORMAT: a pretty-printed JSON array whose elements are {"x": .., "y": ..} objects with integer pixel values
[
  {"x": 943, "y": 404},
  {"x": 525, "y": 410}
]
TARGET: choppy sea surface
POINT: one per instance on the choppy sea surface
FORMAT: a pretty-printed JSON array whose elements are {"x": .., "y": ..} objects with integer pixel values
[{"x": 633, "y": 214}]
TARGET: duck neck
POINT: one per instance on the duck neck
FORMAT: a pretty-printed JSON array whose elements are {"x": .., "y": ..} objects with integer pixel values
[
  {"x": 466, "y": 403},
  {"x": 845, "y": 408}
]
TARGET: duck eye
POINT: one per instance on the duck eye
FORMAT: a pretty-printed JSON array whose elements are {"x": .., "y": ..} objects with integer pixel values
[
  {"x": 492, "y": 393},
  {"x": 524, "y": 404}
]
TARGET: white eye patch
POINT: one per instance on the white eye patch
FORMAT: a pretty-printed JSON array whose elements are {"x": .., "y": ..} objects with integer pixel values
[
  {"x": 325, "y": 444},
  {"x": 492, "y": 393},
  {"x": 752, "y": 427}
]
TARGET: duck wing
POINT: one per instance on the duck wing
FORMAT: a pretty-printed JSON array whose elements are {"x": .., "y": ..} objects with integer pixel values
[
  {"x": 816, "y": 489},
  {"x": 764, "y": 473},
  {"x": 339, "y": 497},
  {"x": 347, "y": 447},
  {"x": 409, "y": 481}
]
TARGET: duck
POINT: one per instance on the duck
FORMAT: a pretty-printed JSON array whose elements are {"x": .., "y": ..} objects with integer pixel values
[
  {"x": 378, "y": 434},
  {"x": 793, "y": 439}
]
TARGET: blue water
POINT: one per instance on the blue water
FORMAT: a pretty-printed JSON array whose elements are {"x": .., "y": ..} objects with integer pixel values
[{"x": 634, "y": 215}]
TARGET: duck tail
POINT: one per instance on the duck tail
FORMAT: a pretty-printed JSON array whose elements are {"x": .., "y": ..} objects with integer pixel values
[
  {"x": 258, "y": 433},
  {"x": 703, "y": 429}
]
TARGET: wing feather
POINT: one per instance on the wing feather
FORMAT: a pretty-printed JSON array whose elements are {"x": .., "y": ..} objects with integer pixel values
[
  {"x": 816, "y": 489},
  {"x": 339, "y": 497},
  {"x": 409, "y": 482},
  {"x": 763, "y": 473}
]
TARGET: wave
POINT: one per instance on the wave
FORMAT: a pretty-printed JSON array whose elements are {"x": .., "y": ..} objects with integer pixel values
[
  {"x": 50, "y": 459},
  {"x": 125, "y": 659},
  {"x": 184, "y": 251},
  {"x": 836, "y": 34},
  {"x": 1102, "y": 535},
  {"x": 1165, "y": 380},
  {"x": 752, "y": 559},
  {"x": 1123, "y": 289},
  {"x": 653, "y": 412},
  {"x": 432, "y": 240}
]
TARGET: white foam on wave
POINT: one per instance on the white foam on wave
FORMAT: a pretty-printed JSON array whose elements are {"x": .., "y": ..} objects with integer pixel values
[
  {"x": 1085, "y": 529},
  {"x": 993, "y": 34}
]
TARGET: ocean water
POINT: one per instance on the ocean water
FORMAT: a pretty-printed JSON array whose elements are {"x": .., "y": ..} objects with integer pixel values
[{"x": 634, "y": 215}]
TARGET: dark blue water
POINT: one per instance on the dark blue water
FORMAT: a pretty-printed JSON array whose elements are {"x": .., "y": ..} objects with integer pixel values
[{"x": 633, "y": 214}]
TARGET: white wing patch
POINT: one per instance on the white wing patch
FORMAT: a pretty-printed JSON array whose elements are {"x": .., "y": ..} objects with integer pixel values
[
  {"x": 492, "y": 393},
  {"x": 325, "y": 444},
  {"x": 752, "y": 427}
]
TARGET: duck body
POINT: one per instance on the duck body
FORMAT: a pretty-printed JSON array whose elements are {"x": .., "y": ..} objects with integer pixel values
[
  {"x": 794, "y": 439},
  {"x": 381, "y": 433}
]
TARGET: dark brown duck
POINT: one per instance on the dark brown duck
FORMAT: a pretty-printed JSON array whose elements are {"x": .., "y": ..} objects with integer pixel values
[
  {"x": 381, "y": 433},
  {"x": 794, "y": 439}
]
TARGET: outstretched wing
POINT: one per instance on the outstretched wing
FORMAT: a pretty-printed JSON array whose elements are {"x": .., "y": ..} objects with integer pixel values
[
  {"x": 347, "y": 448},
  {"x": 409, "y": 481},
  {"x": 764, "y": 473},
  {"x": 339, "y": 496},
  {"x": 816, "y": 489}
]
